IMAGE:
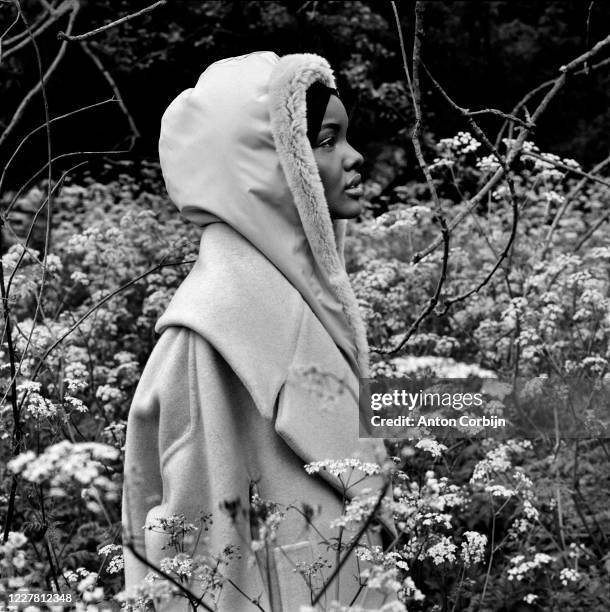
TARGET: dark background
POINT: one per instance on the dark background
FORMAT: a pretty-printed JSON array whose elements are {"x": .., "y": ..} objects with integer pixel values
[{"x": 485, "y": 54}]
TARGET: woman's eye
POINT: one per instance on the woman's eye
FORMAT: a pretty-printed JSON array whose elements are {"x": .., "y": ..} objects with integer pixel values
[{"x": 327, "y": 142}]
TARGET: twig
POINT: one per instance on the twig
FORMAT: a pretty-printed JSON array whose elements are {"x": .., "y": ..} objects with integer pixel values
[
  {"x": 42, "y": 82},
  {"x": 513, "y": 197},
  {"x": 8, "y": 29},
  {"x": 438, "y": 216},
  {"x": 591, "y": 231},
  {"x": 68, "y": 37},
  {"x": 433, "y": 301},
  {"x": 40, "y": 127},
  {"x": 492, "y": 551},
  {"x": 566, "y": 168},
  {"x": 498, "y": 113},
  {"x": 558, "y": 83},
  {"x": 32, "y": 224},
  {"x": 192, "y": 598},
  {"x": 584, "y": 71},
  {"x": 101, "y": 303},
  {"x": 353, "y": 544},
  {"x": 17, "y": 429},
  {"x": 416, "y": 92},
  {"x": 39, "y": 29},
  {"x": 57, "y": 158},
  {"x": 568, "y": 202},
  {"x": 135, "y": 133}
]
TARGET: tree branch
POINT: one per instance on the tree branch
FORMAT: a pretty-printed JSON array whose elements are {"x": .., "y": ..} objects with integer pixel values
[
  {"x": 42, "y": 82},
  {"x": 38, "y": 29},
  {"x": 41, "y": 127},
  {"x": 66, "y": 36},
  {"x": 135, "y": 133},
  {"x": 568, "y": 202}
]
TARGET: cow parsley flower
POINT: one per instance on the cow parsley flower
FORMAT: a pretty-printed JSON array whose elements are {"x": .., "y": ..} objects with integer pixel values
[
  {"x": 443, "y": 551},
  {"x": 341, "y": 467},
  {"x": 431, "y": 446},
  {"x": 473, "y": 547},
  {"x": 567, "y": 575}
]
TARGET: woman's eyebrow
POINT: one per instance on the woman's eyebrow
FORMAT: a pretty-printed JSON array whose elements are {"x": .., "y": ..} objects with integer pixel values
[{"x": 331, "y": 125}]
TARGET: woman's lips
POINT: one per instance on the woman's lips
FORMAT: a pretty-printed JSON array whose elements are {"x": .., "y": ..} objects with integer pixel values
[{"x": 355, "y": 192}]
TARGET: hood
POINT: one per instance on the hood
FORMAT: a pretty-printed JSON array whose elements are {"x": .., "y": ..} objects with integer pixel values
[{"x": 234, "y": 149}]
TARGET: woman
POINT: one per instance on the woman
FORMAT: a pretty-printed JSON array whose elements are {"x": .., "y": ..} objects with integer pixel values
[{"x": 256, "y": 154}]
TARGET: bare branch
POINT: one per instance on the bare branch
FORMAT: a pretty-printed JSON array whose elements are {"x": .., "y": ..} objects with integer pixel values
[
  {"x": 8, "y": 29},
  {"x": 135, "y": 133},
  {"x": 33, "y": 223},
  {"x": 40, "y": 127},
  {"x": 416, "y": 92},
  {"x": 516, "y": 148},
  {"x": 37, "y": 29},
  {"x": 566, "y": 168},
  {"x": 568, "y": 202},
  {"x": 498, "y": 113},
  {"x": 353, "y": 544},
  {"x": 192, "y": 598},
  {"x": 28, "y": 97},
  {"x": 433, "y": 301},
  {"x": 68, "y": 37},
  {"x": 584, "y": 71},
  {"x": 591, "y": 231},
  {"x": 513, "y": 197},
  {"x": 54, "y": 159},
  {"x": 100, "y": 304}
]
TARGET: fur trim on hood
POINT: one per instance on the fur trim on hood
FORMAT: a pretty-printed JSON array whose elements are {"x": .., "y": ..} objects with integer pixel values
[{"x": 234, "y": 149}]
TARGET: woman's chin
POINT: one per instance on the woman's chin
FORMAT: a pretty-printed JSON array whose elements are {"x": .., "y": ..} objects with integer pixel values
[{"x": 346, "y": 208}]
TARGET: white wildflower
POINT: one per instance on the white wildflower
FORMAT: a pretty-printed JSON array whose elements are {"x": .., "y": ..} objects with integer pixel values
[
  {"x": 431, "y": 446},
  {"x": 443, "y": 551},
  {"x": 473, "y": 547}
]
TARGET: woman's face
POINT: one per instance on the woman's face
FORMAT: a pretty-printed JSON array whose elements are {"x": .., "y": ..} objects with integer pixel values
[{"x": 338, "y": 162}]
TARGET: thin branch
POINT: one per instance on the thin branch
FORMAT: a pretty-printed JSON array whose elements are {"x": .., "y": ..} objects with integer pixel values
[
  {"x": 566, "y": 168},
  {"x": 568, "y": 201},
  {"x": 513, "y": 197},
  {"x": 414, "y": 87},
  {"x": 33, "y": 223},
  {"x": 498, "y": 113},
  {"x": 558, "y": 83},
  {"x": 56, "y": 158},
  {"x": 43, "y": 126},
  {"x": 528, "y": 96},
  {"x": 353, "y": 544},
  {"x": 591, "y": 231},
  {"x": 433, "y": 301},
  {"x": 192, "y": 598},
  {"x": 28, "y": 97},
  {"x": 9, "y": 28},
  {"x": 24, "y": 33},
  {"x": 39, "y": 29},
  {"x": 101, "y": 303},
  {"x": 17, "y": 428},
  {"x": 16, "y": 441},
  {"x": 68, "y": 37},
  {"x": 135, "y": 133}
]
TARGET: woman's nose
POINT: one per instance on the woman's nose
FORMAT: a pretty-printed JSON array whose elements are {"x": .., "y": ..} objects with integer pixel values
[{"x": 354, "y": 158}]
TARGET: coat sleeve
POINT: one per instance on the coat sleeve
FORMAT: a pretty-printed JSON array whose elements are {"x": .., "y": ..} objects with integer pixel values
[{"x": 182, "y": 449}]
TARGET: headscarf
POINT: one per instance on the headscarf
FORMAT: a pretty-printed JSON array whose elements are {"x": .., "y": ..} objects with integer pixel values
[
  {"x": 234, "y": 149},
  {"x": 316, "y": 99}
]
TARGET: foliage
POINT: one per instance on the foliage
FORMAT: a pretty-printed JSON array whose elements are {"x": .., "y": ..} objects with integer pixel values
[
  {"x": 452, "y": 506},
  {"x": 481, "y": 525}
]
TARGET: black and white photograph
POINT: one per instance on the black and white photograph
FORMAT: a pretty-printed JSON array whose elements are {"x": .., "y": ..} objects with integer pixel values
[{"x": 305, "y": 306}]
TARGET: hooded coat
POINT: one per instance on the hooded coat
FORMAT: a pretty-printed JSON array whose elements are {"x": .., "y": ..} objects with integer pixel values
[{"x": 218, "y": 412}]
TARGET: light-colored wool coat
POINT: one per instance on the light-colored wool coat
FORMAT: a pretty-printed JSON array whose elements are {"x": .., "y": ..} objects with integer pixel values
[{"x": 217, "y": 410}]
